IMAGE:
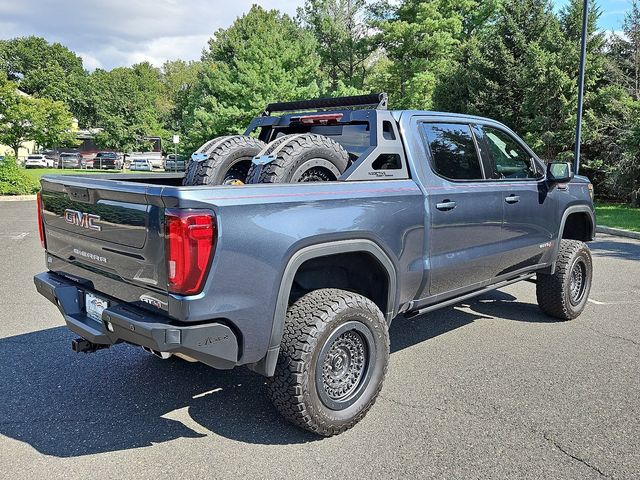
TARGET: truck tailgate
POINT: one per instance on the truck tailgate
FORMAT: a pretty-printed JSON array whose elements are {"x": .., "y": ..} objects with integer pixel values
[{"x": 105, "y": 227}]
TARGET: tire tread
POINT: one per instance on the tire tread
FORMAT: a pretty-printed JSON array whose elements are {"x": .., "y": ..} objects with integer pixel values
[
  {"x": 306, "y": 320},
  {"x": 550, "y": 289},
  {"x": 277, "y": 170},
  {"x": 202, "y": 173}
]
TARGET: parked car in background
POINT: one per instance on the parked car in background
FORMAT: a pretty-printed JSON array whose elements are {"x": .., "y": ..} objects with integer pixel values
[
  {"x": 39, "y": 160},
  {"x": 174, "y": 163},
  {"x": 108, "y": 161},
  {"x": 51, "y": 155},
  {"x": 70, "y": 160},
  {"x": 152, "y": 152},
  {"x": 141, "y": 165}
]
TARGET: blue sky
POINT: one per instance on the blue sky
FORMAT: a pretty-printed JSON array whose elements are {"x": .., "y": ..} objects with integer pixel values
[{"x": 612, "y": 12}]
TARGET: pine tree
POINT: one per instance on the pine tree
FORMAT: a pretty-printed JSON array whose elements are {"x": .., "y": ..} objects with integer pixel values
[
  {"x": 263, "y": 57},
  {"x": 341, "y": 35}
]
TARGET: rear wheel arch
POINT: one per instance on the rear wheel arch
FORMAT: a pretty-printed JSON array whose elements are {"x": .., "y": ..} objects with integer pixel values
[
  {"x": 314, "y": 253},
  {"x": 349, "y": 271}
]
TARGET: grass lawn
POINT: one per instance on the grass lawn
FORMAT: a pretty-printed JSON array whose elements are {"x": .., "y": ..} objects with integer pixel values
[
  {"x": 36, "y": 173},
  {"x": 618, "y": 216}
]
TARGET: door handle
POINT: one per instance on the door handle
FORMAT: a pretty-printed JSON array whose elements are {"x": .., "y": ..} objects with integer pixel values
[
  {"x": 512, "y": 199},
  {"x": 446, "y": 205}
]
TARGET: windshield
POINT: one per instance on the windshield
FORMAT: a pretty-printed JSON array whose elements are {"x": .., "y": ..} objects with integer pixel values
[{"x": 106, "y": 155}]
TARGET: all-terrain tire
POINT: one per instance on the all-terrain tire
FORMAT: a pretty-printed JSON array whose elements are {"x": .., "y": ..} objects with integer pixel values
[
  {"x": 301, "y": 158},
  {"x": 316, "y": 385},
  {"x": 229, "y": 158},
  {"x": 564, "y": 294}
]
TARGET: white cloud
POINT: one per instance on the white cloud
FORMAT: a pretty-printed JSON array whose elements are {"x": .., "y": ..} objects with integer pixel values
[
  {"x": 90, "y": 62},
  {"x": 123, "y": 32}
]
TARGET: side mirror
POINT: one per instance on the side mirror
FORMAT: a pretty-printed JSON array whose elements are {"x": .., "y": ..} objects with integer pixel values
[{"x": 559, "y": 172}]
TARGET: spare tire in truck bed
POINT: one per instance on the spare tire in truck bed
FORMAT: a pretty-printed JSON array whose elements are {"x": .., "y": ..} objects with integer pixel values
[
  {"x": 225, "y": 160},
  {"x": 306, "y": 157}
]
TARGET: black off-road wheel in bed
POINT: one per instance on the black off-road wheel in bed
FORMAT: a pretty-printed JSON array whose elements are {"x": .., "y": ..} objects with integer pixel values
[
  {"x": 301, "y": 158},
  {"x": 228, "y": 160},
  {"x": 332, "y": 363},
  {"x": 564, "y": 294}
]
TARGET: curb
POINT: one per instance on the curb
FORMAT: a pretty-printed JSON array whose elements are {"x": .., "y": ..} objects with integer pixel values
[
  {"x": 17, "y": 198},
  {"x": 618, "y": 232}
]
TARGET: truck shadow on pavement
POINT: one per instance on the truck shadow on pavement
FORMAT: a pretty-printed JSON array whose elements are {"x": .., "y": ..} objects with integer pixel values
[
  {"x": 66, "y": 404},
  {"x": 603, "y": 247}
]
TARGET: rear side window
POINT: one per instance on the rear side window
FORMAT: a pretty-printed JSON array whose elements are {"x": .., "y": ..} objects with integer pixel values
[
  {"x": 355, "y": 138},
  {"x": 453, "y": 151},
  {"x": 510, "y": 160}
]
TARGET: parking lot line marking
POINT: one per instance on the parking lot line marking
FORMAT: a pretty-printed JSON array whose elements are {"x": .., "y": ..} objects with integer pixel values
[
  {"x": 14, "y": 235},
  {"x": 204, "y": 394},
  {"x": 182, "y": 416},
  {"x": 621, "y": 302},
  {"x": 596, "y": 302}
]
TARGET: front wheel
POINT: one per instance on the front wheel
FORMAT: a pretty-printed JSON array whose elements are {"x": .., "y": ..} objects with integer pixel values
[
  {"x": 564, "y": 294},
  {"x": 332, "y": 363}
]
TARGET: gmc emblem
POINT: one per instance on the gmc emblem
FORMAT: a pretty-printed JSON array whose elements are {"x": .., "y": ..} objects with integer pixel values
[{"x": 81, "y": 219}]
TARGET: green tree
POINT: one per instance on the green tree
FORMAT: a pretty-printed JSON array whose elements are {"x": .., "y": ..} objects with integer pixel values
[
  {"x": 52, "y": 124},
  {"x": 522, "y": 70},
  {"x": 341, "y": 35},
  {"x": 263, "y": 57},
  {"x": 44, "y": 70},
  {"x": 421, "y": 42},
  {"x": 125, "y": 101},
  {"x": 23, "y": 55},
  {"x": 497, "y": 76},
  {"x": 23, "y": 118},
  {"x": 178, "y": 78},
  {"x": 624, "y": 52}
]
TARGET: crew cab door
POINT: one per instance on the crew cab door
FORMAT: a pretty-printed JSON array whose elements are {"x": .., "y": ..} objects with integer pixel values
[
  {"x": 528, "y": 209},
  {"x": 464, "y": 215}
]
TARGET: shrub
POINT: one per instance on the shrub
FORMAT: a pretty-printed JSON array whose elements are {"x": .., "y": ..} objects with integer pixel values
[{"x": 14, "y": 180}]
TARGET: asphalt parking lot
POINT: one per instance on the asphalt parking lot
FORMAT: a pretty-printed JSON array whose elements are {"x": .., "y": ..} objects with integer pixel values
[{"x": 488, "y": 389}]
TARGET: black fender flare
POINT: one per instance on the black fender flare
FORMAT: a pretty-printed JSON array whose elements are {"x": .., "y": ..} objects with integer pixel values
[{"x": 267, "y": 365}]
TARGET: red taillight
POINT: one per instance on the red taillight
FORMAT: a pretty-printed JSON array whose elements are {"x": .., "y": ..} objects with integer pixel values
[
  {"x": 40, "y": 226},
  {"x": 190, "y": 244}
]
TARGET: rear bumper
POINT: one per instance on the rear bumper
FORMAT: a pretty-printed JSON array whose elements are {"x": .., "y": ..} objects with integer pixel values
[{"x": 214, "y": 344}]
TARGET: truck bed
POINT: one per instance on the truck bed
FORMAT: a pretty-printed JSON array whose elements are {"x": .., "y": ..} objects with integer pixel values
[{"x": 260, "y": 227}]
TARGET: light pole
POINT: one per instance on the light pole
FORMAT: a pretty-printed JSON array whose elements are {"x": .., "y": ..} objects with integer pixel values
[
  {"x": 176, "y": 141},
  {"x": 583, "y": 60}
]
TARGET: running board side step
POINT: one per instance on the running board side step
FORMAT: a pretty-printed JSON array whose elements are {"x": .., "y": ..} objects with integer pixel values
[{"x": 475, "y": 293}]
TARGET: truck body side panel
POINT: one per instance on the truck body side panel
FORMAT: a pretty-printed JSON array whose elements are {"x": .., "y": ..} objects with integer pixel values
[{"x": 261, "y": 227}]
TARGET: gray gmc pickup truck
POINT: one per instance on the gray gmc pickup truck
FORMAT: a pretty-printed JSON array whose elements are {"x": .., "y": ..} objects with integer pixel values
[{"x": 290, "y": 249}]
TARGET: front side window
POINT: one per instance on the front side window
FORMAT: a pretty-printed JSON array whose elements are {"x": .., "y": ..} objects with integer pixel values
[
  {"x": 510, "y": 160},
  {"x": 453, "y": 151}
]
